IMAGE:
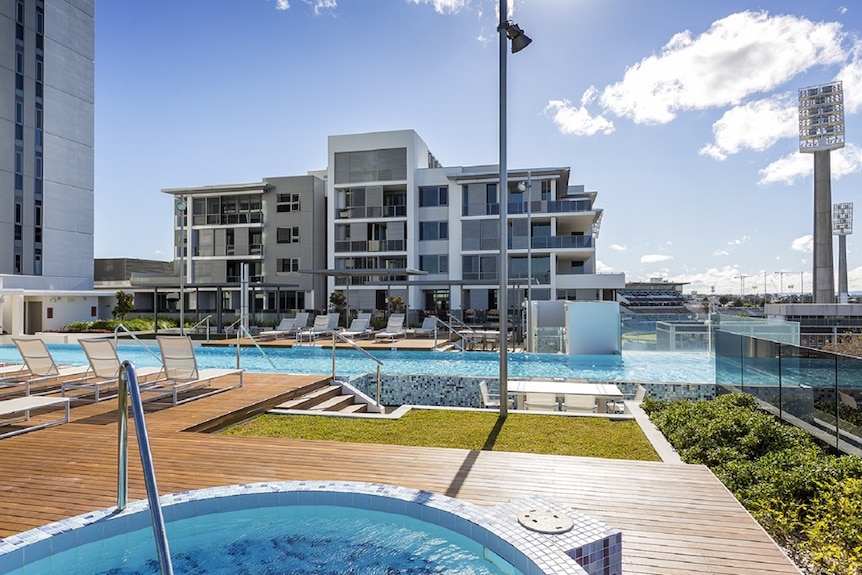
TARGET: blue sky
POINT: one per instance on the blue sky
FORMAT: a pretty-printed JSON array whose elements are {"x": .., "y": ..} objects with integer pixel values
[{"x": 681, "y": 114}]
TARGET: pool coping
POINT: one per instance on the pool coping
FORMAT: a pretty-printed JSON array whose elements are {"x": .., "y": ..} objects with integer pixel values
[{"x": 589, "y": 547}]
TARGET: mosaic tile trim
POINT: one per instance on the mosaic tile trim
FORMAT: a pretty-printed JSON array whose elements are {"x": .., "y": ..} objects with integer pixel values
[
  {"x": 457, "y": 391},
  {"x": 590, "y": 547}
]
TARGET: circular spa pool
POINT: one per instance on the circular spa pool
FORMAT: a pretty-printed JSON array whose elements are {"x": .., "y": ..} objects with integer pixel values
[{"x": 297, "y": 528}]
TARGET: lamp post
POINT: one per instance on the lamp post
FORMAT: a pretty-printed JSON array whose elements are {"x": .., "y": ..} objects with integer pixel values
[
  {"x": 181, "y": 208},
  {"x": 508, "y": 31}
]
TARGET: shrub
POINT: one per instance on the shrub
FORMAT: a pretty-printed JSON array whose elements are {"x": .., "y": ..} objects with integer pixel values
[{"x": 808, "y": 500}]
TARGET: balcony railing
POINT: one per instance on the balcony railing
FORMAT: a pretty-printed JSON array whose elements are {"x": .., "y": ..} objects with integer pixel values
[
  {"x": 537, "y": 207},
  {"x": 227, "y": 219},
  {"x": 399, "y": 211},
  {"x": 370, "y": 246},
  {"x": 520, "y": 243}
]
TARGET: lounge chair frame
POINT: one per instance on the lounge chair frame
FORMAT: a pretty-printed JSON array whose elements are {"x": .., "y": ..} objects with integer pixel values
[
  {"x": 181, "y": 373},
  {"x": 24, "y": 405}
]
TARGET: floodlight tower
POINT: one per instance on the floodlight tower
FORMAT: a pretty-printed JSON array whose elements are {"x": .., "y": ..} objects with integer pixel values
[
  {"x": 842, "y": 226},
  {"x": 821, "y": 130}
]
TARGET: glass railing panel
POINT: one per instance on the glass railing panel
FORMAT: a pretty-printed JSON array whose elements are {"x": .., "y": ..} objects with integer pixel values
[
  {"x": 848, "y": 400},
  {"x": 728, "y": 362}
]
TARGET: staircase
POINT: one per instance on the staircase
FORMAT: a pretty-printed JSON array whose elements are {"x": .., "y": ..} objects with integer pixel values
[{"x": 325, "y": 397}]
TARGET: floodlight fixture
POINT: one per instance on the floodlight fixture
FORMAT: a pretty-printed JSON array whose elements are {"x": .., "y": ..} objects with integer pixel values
[
  {"x": 517, "y": 36},
  {"x": 821, "y": 117},
  {"x": 842, "y": 219}
]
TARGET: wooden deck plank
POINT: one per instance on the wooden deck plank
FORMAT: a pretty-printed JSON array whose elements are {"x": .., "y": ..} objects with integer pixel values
[{"x": 674, "y": 518}]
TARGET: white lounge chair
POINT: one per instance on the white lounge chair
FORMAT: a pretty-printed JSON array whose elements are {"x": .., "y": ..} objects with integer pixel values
[
  {"x": 394, "y": 328},
  {"x": 576, "y": 402},
  {"x": 41, "y": 366},
  {"x": 358, "y": 328},
  {"x": 285, "y": 325},
  {"x": 491, "y": 399},
  {"x": 181, "y": 373},
  {"x": 104, "y": 370},
  {"x": 323, "y": 325},
  {"x": 20, "y": 408},
  {"x": 541, "y": 401},
  {"x": 428, "y": 327}
]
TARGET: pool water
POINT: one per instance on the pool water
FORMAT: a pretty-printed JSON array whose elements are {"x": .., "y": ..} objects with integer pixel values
[
  {"x": 295, "y": 540},
  {"x": 640, "y": 366}
]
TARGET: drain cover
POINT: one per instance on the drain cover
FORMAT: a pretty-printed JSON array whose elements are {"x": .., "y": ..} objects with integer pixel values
[{"x": 546, "y": 521}]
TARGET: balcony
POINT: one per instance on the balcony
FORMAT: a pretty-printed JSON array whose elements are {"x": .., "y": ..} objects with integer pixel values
[
  {"x": 520, "y": 243},
  {"x": 537, "y": 207},
  {"x": 370, "y": 246},
  {"x": 399, "y": 211},
  {"x": 227, "y": 219}
]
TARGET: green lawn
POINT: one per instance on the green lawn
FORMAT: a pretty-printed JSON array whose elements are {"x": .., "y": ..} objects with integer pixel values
[{"x": 474, "y": 430}]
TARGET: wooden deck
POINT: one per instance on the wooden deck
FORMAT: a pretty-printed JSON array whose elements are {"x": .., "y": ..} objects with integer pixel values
[{"x": 675, "y": 519}]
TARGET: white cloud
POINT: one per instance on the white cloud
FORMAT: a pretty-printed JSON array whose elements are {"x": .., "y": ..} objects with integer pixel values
[
  {"x": 655, "y": 258},
  {"x": 444, "y": 6},
  {"x": 739, "y": 241},
  {"x": 577, "y": 120},
  {"x": 842, "y": 10},
  {"x": 851, "y": 78},
  {"x": 282, "y": 4},
  {"x": 786, "y": 170},
  {"x": 803, "y": 244},
  {"x": 617, "y": 247},
  {"x": 321, "y": 5},
  {"x": 602, "y": 268},
  {"x": 756, "y": 125},
  {"x": 721, "y": 253},
  {"x": 740, "y": 55}
]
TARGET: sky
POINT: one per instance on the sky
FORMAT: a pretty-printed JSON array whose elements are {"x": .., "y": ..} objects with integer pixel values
[{"x": 681, "y": 114}]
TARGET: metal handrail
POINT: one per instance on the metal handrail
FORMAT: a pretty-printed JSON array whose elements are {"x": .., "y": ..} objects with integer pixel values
[
  {"x": 242, "y": 329},
  {"x": 454, "y": 319},
  {"x": 351, "y": 343},
  {"x": 204, "y": 320},
  {"x": 134, "y": 337},
  {"x": 128, "y": 383}
]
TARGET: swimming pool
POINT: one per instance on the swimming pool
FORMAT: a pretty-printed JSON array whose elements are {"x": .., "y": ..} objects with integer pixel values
[
  {"x": 638, "y": 366},
  {"x": 317, "y": 527}
]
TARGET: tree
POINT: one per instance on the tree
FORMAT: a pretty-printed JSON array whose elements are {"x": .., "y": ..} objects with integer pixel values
[
  {"x": 723, "y": 300},
  {"x": 338, "y": 301},
  {"x": 396, "y": 304},
  {"x": 125, "y": 304}
]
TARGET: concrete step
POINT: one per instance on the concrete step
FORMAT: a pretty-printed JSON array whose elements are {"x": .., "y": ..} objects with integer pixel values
[{"x": 355, "y": 408}]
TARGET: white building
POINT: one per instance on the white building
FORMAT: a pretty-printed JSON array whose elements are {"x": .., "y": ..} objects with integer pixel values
[{"x": 46, "y": 163}]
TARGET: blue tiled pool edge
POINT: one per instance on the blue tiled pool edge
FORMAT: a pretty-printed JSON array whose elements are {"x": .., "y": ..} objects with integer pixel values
[{"x": 590, "y": 547}]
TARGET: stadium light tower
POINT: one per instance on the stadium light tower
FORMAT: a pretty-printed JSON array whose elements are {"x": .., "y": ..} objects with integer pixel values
[
  {"x": 821, "y": 130},
  {"x": 842, "y": 226}
]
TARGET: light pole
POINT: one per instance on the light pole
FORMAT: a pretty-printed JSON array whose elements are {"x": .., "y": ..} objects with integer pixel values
[
  {"x": 181, "y": 208},
  {"x": 842, "y": 226},
  {"x": 821, "y": 130},
  {"x": 741, "y": 286},
  {"x": 507, "y": 31}
]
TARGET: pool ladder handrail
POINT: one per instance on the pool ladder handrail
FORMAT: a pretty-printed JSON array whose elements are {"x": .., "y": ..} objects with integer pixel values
[
  {"x": 134, "y": 337},
  {"x": 457, "y": 321},
  {"x": 129, "y": 389},
  {"x": 336, "y": 336},
  {"x": 205, "y": 320},
  {"x": 241, "y": 329}
]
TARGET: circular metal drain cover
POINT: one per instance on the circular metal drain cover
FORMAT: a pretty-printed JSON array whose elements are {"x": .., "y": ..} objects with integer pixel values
[{"x": 545, "y": 521}]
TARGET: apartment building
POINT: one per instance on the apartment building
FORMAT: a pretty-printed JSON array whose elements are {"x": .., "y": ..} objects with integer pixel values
[
  {"x": 402, "y": 225},
  {"x": 270, "y": 228},
  {"x": 46, "y": 162}
]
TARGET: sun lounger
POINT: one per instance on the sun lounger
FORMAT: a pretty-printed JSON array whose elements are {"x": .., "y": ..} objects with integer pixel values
[
  {"x": 181, "y": 373},
  {"x": 358, "y": 328},
  {"x": 104, "y": 370},
  {"x": 20, "y": 408},
  {"x": 40, "y": 365},
  {"x": 428, "y": 327},
  {"x": 394, "y": 328},
  {"x": 287, "y": 326},
  {"x": 323, "y": 325}
]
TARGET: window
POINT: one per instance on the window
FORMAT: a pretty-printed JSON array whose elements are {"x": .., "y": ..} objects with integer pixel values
[
  {"x": 287, "y": 265},
  {"x": 19, "y": 62},
  {"x": 40, "y": 70},
  {"x": 287, "y": 203},
  {"x": 19, "y": 162},
  {"x": 433, "y": 196},
  {"x": 37, "y": 172},
  {"x": 546, "y": 190},
  {"x": 19, "y": 13},
  {"x": 40, "y": 20},
  {"x": 480, "y": 267},
  {"x": 287, "y": 235},
  {"x": 18, "y": 219},
  {"x": 434, "y": 264},
  {"x": 371, "y": 166},
  {"x": 19, "y": 112},
  {"x": 433, "y": 230},
  {"x": 17, "y": 263}
]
